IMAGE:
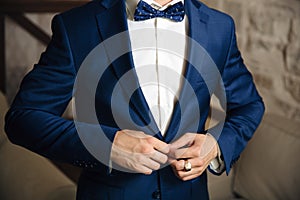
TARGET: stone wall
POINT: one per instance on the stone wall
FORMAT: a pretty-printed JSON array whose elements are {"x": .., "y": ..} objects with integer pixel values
[{"x": 268, "y": 34}]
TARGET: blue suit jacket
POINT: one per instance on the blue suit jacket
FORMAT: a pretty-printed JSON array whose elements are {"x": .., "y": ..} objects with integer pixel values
[{"x": 34, "y": 120}]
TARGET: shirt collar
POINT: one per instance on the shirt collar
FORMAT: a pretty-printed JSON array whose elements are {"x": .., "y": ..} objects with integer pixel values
[{"x": 131, "y": 6}]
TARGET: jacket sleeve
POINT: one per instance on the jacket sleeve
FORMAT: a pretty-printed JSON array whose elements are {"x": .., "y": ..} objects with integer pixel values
[
  {"x": 34, "y": 120},
  {"x": 245, "y": 107}
]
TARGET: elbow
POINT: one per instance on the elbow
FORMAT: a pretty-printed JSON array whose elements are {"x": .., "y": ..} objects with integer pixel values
[
  {"x": 261, "y": 109},
  {"x": 11, "y": 128},
  {"x": 8, "y": 128}
]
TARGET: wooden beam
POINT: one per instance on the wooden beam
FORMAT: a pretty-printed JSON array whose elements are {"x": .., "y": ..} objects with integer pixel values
[{"x": 29, "y": 26}]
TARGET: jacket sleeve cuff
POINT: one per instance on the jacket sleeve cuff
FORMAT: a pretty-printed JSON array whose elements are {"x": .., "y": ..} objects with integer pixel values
[{"x": 217, "y": 165}]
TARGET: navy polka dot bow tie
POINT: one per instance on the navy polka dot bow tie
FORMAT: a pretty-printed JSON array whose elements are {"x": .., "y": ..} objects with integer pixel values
[{"x": 144, "y": 11}]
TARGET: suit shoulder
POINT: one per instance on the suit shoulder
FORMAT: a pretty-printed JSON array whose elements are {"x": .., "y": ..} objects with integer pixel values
[
  {"x": 216, "y": 16},
  {"x": 81, "y": 13},
  {"x": 78, "y": 19}
]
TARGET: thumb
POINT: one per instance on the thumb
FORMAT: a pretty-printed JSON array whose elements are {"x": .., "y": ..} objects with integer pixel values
[{"x": 160, "y": 146}]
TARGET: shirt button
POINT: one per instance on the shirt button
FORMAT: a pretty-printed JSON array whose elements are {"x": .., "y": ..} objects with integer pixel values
[{"x": 156, "y": 195}]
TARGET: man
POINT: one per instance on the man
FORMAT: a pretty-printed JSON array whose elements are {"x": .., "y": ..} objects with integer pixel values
[{"x": 163, "y": 160}]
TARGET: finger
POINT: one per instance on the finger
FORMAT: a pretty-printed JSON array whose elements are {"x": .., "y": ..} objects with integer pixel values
[
  {"x": 184, "y": 175},
  {"x": 159, "y": 157},
  {"x": 185, "y": 140},
  {"x": 187, "y": 178},
  {"x": 196, "y": 171},
  {"x": 177, "y": 153},
  {"x": 172, "y": 162},
  {"x": 159, "y": 145},
  {"x": 195, "y": 162},
  {"x": 178, "y": 165},
  {"x": 147, "y": 162},
  {"x": 185, "y": 153},
  {"x": 137, "y": 164},
  {"x": 151, "y": 164},
  {"x": 143, "y": 169}
]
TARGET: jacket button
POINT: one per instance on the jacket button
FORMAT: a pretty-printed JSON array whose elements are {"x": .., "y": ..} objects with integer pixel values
[{"x": 156, "y": 195}]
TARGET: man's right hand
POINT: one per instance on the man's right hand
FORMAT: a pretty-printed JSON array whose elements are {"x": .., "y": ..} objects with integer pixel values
[{"x": 138, "y": 152}]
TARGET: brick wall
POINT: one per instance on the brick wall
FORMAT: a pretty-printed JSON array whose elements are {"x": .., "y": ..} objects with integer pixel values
[{"x": 268, "y": 36}]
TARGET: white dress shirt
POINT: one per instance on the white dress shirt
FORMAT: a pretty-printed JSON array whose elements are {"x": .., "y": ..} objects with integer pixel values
[{"x": 158, "y": 63}]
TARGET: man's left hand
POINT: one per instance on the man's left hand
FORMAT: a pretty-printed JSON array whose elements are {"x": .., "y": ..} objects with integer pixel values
[{"x": 198, "y": 149}]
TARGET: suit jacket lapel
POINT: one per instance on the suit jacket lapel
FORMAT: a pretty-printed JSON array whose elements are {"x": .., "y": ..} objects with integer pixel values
[
  {"x": 112, "y": 22},
  {"x": 181, "y": 122}
]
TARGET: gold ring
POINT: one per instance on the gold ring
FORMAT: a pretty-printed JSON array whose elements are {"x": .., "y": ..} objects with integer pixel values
[{"x": 187, "y": 166}]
